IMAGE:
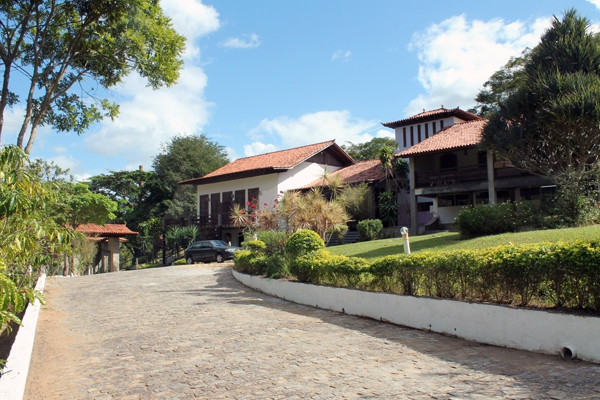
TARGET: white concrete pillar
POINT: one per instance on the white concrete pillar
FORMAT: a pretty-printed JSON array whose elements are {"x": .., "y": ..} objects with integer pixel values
[
  {"x": 490, "y": 177},
  {"x": 113, "y": 258},
  {"x": 105, "y": 256},
  {"x": 413, "y": 198}
]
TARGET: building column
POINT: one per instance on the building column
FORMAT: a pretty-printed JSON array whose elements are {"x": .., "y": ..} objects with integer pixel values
[
  {"x": 105, "y": 256},
  {"x": 113, "y": 258},
  {"x": 413, "y": 198},
  {"x": 490, "y": 177}
]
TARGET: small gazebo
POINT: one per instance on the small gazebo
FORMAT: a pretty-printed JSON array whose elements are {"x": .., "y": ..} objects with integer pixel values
[{"x": 108, "y": 237}]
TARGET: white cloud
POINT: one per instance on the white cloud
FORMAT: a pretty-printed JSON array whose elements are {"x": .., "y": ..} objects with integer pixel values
[
  {"x": 314, "y": 128},
  {"x": 258, "y": 148},
  {"x": 193, "y": 20},
  {"x": 341, "y": 55},
  {"x": 457, "y": 57},
  {"x": 149, "y": 118},
  {"x": 382, "y": 133},
  {"x": 245, "y": 42},
  {"x": 13, "y": 118},
  {"x": 595, "y": 2}
]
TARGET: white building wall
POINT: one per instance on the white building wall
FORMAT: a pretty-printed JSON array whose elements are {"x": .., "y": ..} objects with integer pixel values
[
  {"x": 302, "y": 175},
  {"x": 269, "y": 185},
  {"x": 399, "y": 132}
]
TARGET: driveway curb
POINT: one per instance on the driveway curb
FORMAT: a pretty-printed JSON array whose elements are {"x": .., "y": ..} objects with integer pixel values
[{"x": 14, "y": 379}]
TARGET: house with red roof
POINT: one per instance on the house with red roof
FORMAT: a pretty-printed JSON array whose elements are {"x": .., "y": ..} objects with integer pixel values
[
  {"x": 260, "y": 179},
  {"x": 449, "y": 170}
]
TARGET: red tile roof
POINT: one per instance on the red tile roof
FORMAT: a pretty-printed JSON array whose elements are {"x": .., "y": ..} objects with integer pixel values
[
  {"x": 454, "y": 137},
  {"x": 105, "y": 230},
  {"x": 433, "y": 115},
  {"x": 364, "y": 171},
  {"x": 269, "y": 162}
]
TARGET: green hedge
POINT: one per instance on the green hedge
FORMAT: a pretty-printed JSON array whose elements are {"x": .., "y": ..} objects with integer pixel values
[
  {"x": 543, "y": 274},
  {"x": 491, "y": 219},
  {"x": 547, "y": 275},
  {"x": 322, "y": 267}
]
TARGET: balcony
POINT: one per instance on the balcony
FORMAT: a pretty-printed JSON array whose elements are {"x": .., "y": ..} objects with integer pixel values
[{"x": 450, "y": 177}]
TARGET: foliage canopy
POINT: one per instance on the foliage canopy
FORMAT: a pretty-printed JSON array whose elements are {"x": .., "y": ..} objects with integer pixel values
[
  {"x": 66, "y": 49},
  {"x": 547, "y": 116}
]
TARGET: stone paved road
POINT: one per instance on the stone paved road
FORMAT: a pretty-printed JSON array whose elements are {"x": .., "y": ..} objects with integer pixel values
[{"x": 194, "y": 332}]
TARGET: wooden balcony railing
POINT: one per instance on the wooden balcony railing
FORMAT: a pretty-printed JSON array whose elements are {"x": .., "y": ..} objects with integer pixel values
[{"x": 472, "y": 173}]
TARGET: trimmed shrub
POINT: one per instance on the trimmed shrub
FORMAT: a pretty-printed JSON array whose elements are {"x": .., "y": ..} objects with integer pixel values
[
  {"x": 492, "y": 219},
  {"x": 369, "y": 229},
  {"x": 248, "y": 262},
  {"x": 303, "y": 242},
  {"x": 276, "y": 267},
  {"x": 255, "y": 246},
  {"x": 322, "y": 267},
  {"x": 274, "y": 241},
  {"x": 252, "y": 258}
]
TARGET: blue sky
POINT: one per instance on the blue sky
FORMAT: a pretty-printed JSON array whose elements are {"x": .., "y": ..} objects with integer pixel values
[{"x": 268, "y": 75}]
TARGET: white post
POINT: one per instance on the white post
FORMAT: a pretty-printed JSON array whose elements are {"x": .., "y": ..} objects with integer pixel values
[{"x": 406, "y": 242}]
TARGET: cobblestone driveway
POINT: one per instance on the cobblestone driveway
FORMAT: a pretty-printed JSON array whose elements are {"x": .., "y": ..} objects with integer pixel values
[{"x": 194, "y": 332}]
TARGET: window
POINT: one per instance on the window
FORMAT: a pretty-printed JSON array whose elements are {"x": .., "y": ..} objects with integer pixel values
[
  {"x": 450, "y": 200},
  {"x": 426, "y": 130},
  {"x": 215, "y": 204},
  {"x": 424, "y": 206},
  {"x": 462, "y": 199},
  {"x": 412, "y": 136},
  {"x": 419, "y": 133},
  {"x": 434, "y": 127},
  {"x": 482, "y": 198},
  {"x": 204, "y": 206},
  {"x": 503, "y": 196},
  {"x": 253, "y": 195},
  {"x": 240, "y": 198},
  {"x": 226, "y": 207},
  {"x": 404, "y": 136},
  {"x": 441, "y": 125},
  {"x": 446, "y": 201}
]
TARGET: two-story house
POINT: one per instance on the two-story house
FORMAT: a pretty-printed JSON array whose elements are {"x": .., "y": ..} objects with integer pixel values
[
  {"x": 411, "y": 131},
  {"x": 260, "y": 179},
  {"x": 449, "y": 170}
]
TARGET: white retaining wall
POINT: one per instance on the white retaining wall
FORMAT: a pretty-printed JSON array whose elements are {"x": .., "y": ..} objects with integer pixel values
[
  {"x": 540, "y": 331},
  {"x": 14, "y": 378}
]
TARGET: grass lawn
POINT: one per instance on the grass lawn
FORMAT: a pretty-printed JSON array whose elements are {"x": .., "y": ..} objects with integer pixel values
[{"x": 451, "y": 241}]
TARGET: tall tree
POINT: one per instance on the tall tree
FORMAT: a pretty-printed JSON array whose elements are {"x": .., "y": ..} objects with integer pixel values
[
  {"x": 65, "y": 49},
  {"x": 501, "y": 84},
  {"x": 131, "y": 190},
  {"x": 550, "y": 124},
  {"x": 186, "y": 157},
  {"x": 369, "y": 150},
  {"x": 140, "y": 204}
]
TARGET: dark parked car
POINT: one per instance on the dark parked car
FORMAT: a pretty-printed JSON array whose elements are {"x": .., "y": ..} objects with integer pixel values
[{"x": 208, "y": 251}]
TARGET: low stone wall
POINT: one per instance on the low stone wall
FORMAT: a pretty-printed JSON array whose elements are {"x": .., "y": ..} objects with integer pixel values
[{"x": 568, "y": 335}]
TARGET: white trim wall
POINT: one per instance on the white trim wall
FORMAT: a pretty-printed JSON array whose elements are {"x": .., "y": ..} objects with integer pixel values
[{"x": 539, "y": 331}]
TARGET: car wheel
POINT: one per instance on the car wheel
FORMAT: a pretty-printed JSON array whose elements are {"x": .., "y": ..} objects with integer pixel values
[
  {"x": 189, "y": 260},
  {"x": 219, "y": 258}
]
